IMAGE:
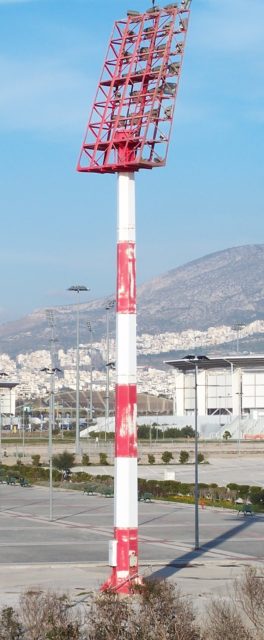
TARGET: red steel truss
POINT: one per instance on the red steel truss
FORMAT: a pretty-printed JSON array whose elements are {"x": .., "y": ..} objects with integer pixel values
[{"x": 131, "y": 118}]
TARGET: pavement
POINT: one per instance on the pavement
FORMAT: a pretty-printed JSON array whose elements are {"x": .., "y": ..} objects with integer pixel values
[{"x": 70, "y": 554}]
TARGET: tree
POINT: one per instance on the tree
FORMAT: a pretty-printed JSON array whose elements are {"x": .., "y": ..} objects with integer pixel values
[
  {"x": 188, "y": 432},
  {"x": 167, "y": 457},
  {"x": 85, "y": 459},
  {"x": 151, "y": 458},
  {"x": 184, "y": 457},
  {"x": 64, "y": 460},
  {"x": 103, "y": 458},
  {"x": 226, "y": 435},
  {"x": 35, "y": 460},
  {"x": 143, "y": 432}
]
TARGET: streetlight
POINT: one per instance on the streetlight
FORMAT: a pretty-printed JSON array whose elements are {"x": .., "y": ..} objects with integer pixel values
[
  {"x": 185, "y": 365},
  {"x": 77, "y": 288},
  {"x": 240, "y": 394},
  {"x": 2, "y": 375},
  {"x": 2, "y": 396},
  {"x": 52, "y": 372},
  {"x": 196, "y": 361},
  {"x": 89, "y": 326},
  {"x": 109, "y": 305},
  {"x": 237, "y": 327}
]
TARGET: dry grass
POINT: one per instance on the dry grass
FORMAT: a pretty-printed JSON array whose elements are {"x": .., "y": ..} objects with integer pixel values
[{"x": 155, "y": 611}]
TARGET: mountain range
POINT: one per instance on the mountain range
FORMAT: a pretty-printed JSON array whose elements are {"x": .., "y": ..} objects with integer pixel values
[{"x": 222, "y": 288}]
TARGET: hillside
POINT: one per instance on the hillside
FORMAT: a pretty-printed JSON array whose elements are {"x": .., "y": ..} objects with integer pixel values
[{"x": 220, "y": 288}]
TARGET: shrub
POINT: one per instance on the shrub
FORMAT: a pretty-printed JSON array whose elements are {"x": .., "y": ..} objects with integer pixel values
[
  {"x": 167, "y": 457},
  {"x": 103, "y": 459},
  {"x": 232, "y": 486},
  {"x": 256, "y": 495},
  {"x": 250, "y": 595},
  {"x": 224, "y": 622},
  {"x": 242, "y": 616},
  {"x": 161, "y": 611},
  {"x": 185, "y": 489},
  {"x": 10, "y": 625},
  {"x": 151, "y": 458},
  {"x": 243, "y": 490},
  {"x": 184, "y": 457},
  {"x": 80, "y": 476},
  {"x": 48, "y": 615},
  {"x": 165, "y": 613},
  {"x": 64, "y": 460},
  {"x": 85, "y": 459},
  {"x": 187, "y": 432},
  {"x": 200, "y": 458},
  {"x": 35, "y": 460}
]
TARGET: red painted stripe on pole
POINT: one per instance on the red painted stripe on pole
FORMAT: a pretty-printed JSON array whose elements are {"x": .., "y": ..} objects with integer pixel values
[
  {"x": 127, "y": 550},
  {"x": 126, "y": 278},
  {"x": 126, "y": 426}
]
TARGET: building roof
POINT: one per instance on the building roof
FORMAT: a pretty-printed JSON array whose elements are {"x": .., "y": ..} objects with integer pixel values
[
  {"x": 188, "y": 363},
  {"x": 8, "y": 385}
]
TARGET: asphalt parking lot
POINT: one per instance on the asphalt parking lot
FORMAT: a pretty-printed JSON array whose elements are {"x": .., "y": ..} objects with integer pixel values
[
  {"x": 72, "y": 551},
  {"x": 239, "y": 469}
]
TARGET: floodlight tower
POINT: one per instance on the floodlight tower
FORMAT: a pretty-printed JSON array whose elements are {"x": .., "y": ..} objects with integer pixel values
[{"x": 129, "y": 129}]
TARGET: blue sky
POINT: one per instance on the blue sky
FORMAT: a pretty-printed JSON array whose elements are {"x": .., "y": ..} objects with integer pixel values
[{"x": 58, "y": 227}]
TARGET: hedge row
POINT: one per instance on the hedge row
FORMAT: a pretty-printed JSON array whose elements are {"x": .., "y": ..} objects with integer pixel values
[
  {"x": 212, "y": 492},
  {"x": 159, "y": 488}
]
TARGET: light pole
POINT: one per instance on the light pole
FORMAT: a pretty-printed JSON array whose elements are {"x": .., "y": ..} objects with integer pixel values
[
  {"x": 2, "y": 375},
  {"x": 109, "y": 305},
  {"x": 190, "y": 364},
  {"x": 196, "y": 480},
  {"x": 240, "y": 394},
  {"x": 23, "y": 431},
  {"x": 197, "y": 362},
  {"x": 1, "y": 426},
  {"x": 77, "y": 288},
  {"x": 89, "y": 326},
  {"x": 238, "y": 326},
  {"x": 52, "y": 372}
]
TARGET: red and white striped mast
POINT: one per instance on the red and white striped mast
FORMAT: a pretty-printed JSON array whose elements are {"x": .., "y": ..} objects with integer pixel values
[{"x": 129, "y": 129}]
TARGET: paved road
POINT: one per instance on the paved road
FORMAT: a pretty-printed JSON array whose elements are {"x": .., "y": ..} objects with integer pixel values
[{"x": 72, "y": 551}]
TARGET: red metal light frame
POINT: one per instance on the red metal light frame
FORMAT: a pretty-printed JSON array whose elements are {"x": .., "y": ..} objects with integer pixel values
[{"x": 131, "y": 118}]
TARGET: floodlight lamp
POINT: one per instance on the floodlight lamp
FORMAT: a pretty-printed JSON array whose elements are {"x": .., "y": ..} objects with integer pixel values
[
  {"x": 78, "y": 288},
  {"x": 190, "y": 357},
  {"x": 111, "y": 365},
  {"x": 153, "y": 10},
  {"x": 173, "y": 5},
  {"x": 131, "y": 12},
  {"x": 169, "y": 88}
]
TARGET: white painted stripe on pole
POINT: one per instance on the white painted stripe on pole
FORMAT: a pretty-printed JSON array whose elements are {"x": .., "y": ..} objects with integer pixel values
[
  {"x": 125, "y": 348},
  {"x": 126, "y": 493},
  {"x": 126, "y": 207}
]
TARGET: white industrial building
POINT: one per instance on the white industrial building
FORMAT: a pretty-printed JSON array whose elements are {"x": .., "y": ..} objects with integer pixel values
[
  {"x": 230, "y": 396},
  {"x": 7, "y": 398}
]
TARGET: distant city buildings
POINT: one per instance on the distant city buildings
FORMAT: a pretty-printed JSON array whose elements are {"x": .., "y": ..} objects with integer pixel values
[{"x": 25, "y": 369}]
